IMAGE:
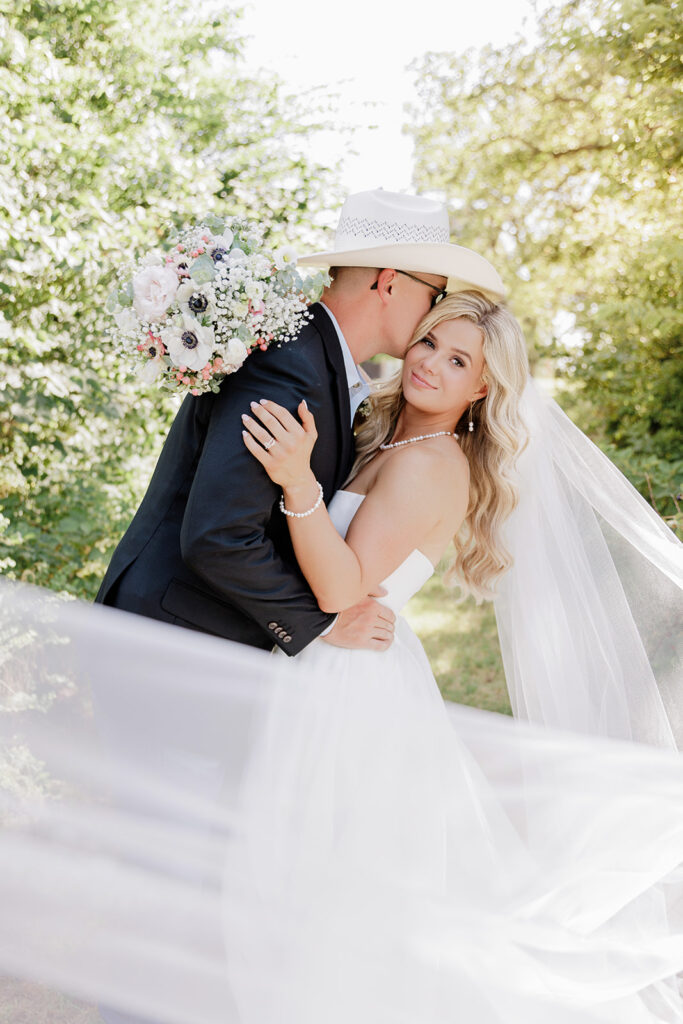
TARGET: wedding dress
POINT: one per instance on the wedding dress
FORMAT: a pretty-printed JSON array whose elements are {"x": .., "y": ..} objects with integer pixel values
[
  {"x": 200, "y": 833},
  {"x": 418, "y": 892}
]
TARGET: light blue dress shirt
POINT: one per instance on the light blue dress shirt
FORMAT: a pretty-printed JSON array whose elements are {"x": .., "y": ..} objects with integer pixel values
[{"x": 359, "y": 389}]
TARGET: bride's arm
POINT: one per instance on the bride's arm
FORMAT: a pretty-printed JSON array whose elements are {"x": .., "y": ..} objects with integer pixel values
[{"x": 410, "y": 497}]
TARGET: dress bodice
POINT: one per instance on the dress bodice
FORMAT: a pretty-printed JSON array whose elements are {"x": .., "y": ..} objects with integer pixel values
[{"x": 410, "y": 575}]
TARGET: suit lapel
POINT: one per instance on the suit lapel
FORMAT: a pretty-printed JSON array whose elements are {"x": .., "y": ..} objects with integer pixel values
[{"x": 340, "y": 390}]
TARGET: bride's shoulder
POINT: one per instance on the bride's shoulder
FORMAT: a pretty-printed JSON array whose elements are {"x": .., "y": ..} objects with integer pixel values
[{"x": 428, "y": 467}]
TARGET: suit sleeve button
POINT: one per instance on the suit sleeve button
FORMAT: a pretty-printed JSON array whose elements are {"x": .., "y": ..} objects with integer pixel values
[
  {"x": 286, "y": 639},
  {"x": 272, "y": 625}
]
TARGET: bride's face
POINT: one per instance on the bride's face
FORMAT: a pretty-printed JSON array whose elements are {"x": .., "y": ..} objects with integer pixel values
[{"x": 442, "y": 372}]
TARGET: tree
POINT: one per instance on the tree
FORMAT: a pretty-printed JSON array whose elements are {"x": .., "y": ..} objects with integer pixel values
[
  {"x": 116, "y": 118},
  {"x": 562, "y": 161}
]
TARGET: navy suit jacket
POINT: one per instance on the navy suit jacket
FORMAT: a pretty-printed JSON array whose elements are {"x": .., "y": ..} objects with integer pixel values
[{"x": 208, "y": 548}]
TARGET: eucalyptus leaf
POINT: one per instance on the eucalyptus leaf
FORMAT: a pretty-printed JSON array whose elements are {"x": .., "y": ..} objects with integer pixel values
[
  {"x": 203, "y": 270},
  {"x": 217, "y": 224}
]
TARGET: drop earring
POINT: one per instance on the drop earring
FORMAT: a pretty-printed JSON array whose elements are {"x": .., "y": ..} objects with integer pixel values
[{"x": 471, "y": 423}]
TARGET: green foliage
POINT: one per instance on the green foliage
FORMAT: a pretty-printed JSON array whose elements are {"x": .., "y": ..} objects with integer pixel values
[
  {"x": 563, "y": 163},
  {"x": 116, "y": 118}
]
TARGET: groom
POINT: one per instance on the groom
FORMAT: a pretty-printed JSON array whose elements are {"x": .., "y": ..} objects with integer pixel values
[{"x": 208, "y": 549}]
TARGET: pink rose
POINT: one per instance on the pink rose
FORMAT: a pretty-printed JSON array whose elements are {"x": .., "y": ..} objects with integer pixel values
[{"x": 154, "y": 290}]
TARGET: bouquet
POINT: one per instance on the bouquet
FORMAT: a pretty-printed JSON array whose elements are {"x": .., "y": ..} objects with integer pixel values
[{"x": 190, "y": 314}]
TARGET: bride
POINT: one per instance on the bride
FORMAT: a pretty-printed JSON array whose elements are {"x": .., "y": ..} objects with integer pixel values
[{"x": 373, "y": 786}]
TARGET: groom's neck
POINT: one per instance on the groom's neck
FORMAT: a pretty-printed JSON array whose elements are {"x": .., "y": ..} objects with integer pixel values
[{"x": 355, "y": 321}]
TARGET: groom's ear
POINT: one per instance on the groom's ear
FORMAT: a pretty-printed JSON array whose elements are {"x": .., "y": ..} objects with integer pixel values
[{"x": 384, "y": 283}]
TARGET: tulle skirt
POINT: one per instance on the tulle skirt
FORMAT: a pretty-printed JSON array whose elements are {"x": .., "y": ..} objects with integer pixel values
[{"x": 440, "y": 866}]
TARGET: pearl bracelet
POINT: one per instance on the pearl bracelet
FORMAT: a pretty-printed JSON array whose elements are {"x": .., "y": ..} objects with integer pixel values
[{"x": 302, "y": 515}]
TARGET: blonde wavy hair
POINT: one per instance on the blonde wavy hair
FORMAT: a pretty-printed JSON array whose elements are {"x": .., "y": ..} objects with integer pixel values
[{"x": 491, "y": 448}]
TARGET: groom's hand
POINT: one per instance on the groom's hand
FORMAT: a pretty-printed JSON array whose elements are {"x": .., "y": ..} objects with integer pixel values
[{"x": 368, "y": 625}]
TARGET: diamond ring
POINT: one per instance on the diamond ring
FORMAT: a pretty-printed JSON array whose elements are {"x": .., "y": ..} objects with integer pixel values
[{"x": 269, "y": 444}]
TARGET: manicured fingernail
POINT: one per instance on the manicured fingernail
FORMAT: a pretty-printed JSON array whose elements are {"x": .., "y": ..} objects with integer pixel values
[
  {"x": 264, "y": 401},
  {"x": 304, "y": 403},
  {"x": 245, "y": 418},
  {"x": 254, "y": 405},
  {"x": 245, "y": 434}
]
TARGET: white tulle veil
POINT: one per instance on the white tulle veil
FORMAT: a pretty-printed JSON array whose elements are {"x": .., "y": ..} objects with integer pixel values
[
  {"x": 146, "y": 828},
  {"x": 590, "y": 616}
]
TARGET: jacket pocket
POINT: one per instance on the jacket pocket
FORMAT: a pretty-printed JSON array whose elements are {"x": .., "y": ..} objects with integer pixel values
[
  {"x": 207, "y": 613},
  {"x": 197, "y": 608}
]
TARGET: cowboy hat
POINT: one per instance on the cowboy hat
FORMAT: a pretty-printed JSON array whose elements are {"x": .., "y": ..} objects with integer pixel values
[{"x": 404, "y": 232}]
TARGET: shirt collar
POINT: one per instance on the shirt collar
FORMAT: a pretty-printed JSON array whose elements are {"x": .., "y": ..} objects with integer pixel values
[{"x": 352, "y": 373}]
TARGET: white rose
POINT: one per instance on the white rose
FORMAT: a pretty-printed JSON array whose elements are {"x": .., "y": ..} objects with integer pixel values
[
  {"x": 239, "y": 309},
  {"x": 154, "y": 290},
  {"x": 127, "y": 321},
  {"x": 285, "y": 257},
  {"x": 235, "y": 353},
  {"x": 188, "y": 343}
]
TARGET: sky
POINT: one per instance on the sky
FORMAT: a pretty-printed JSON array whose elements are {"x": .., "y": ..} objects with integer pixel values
[{"x": 361, "y": 50}]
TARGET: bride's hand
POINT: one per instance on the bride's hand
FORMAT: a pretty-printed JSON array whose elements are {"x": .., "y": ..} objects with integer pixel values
[{"x": 281, "y": 444}]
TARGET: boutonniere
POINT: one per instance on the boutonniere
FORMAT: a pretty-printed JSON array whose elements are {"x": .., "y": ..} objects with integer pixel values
[{"x": 364, "y": 409}]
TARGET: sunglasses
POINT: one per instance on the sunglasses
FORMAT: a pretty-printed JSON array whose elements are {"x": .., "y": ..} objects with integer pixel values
[{"x": 440, "y": 292}]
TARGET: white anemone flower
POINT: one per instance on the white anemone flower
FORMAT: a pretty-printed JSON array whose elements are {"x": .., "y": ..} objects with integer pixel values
[
  {"x": 194, "y": 301},
  {"x": 226, "y": 239},
  {"x": 189, "y": 343},
  {"x": 218, "y": 247}
]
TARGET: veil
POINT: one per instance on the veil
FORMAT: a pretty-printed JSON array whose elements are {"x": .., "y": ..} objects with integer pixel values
[
  {"x": 590, "y": 615},
  {"x": 154, "y": 858}
]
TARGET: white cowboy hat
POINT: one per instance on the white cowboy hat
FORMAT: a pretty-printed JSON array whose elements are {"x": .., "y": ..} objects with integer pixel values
[{"x": 403, "y": 232}]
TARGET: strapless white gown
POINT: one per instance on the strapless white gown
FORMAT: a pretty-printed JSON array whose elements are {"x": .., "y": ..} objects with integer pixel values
[{"x": 413, "y": 888}]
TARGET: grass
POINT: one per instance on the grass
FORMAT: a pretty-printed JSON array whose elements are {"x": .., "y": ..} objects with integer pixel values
[{"x": 461, "y": 642}]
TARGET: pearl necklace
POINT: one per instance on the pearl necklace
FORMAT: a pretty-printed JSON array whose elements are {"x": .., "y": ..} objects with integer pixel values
[{"x": 422, "y": 437}]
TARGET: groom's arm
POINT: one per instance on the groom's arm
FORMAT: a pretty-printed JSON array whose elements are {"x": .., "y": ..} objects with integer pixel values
[{"x": 224, "y": 537}]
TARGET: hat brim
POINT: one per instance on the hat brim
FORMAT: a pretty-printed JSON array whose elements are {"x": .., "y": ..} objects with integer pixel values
[{"x": 463, "y": 267}]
